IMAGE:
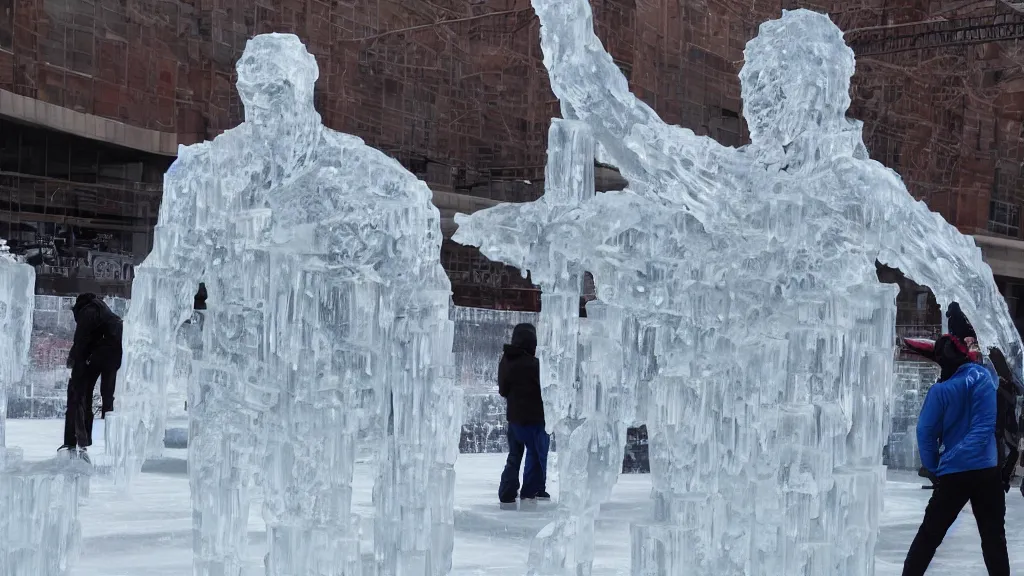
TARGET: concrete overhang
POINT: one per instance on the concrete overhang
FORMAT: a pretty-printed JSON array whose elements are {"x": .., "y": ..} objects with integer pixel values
[
  {"x": 1004, "y": 255},
  {"x": 38, "y": 113}
]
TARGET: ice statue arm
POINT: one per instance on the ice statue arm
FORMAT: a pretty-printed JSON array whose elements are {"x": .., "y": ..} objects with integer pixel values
[
  {"x": 592, "y": 87},
  {"x": 931, "y": 252},
  {"x": 929, "y": 427}
]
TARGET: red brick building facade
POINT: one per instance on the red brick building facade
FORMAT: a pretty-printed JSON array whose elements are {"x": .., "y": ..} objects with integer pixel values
[{"x": 456, "y": 90}]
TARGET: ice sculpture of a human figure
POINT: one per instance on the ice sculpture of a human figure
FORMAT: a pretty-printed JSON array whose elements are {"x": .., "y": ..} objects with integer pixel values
[
  {"x": 774, "y": 339},
  {"x": 331, "y": 318}
]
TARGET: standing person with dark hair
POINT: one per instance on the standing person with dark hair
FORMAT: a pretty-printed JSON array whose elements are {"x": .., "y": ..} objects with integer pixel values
[
  {"x": 959, "y": 415},
  {"x": 95, "y": 355},
  {"x": 1007, "y": 431},
  {"x": 519, "y": 384}
]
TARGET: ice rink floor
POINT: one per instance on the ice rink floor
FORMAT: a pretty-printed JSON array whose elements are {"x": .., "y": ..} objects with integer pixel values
[{"x": 149, "y": 531}]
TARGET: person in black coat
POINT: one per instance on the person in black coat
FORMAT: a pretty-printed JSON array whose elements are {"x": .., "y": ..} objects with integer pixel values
[
  {"x": 1007, "y": 430},
  {"x": 519, "y": 384},
  {"x": 199, "y": 300},
  {"x": 95, "y": 355}
]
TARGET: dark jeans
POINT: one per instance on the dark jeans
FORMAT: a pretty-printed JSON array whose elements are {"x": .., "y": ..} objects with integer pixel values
[
  {"x": 984, "y": 490},
  {"x": 78, "y": 417},
  {"x": 534, "y": 441}
]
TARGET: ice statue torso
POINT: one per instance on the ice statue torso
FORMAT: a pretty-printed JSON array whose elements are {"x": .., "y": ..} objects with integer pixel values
[
  {"x": 342, "y": 206},
  {"x": 326, "y": 237}
]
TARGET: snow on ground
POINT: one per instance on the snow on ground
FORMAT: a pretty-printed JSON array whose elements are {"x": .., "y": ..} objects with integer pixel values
[{"x": 148, "y": 532}]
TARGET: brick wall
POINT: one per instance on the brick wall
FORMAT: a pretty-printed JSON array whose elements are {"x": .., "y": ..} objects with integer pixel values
[{"x": 457, "y": 91}]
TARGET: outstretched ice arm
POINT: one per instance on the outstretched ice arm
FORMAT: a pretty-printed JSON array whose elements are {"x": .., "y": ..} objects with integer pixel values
[
  {"x": 504, "y": 233},
  {"x": 933, "y": 253},
  {"x": 649, "y": 152}
]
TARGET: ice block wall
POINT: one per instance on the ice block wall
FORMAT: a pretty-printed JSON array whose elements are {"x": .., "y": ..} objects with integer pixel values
[
  {"x": 479, "y": 337},
  {"x": 42, "y": 391},
  {"x": 40, "y": 530},
  {"x": 910, "y": 386}
]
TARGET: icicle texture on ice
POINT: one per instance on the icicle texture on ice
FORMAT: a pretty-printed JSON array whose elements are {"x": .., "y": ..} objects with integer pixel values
[
  {"x": 327, "y": 322},
  {"x": 39, "y": 528},
  {"x": 755, "y": 271}
]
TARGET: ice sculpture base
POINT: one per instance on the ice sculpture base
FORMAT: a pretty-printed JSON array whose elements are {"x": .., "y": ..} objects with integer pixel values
[{"x": 40, "y": 531}]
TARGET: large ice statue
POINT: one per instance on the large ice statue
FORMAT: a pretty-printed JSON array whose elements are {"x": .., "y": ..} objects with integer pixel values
[
  {"x": 39, "y": 527},
  {"x": 755, "y": 269},
  {"x": 327, "y": 322}
]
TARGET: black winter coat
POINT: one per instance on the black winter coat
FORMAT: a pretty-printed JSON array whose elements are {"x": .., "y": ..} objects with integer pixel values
[
  {"x": 519, "y": 378},
  {"x": 97, "y": 334},
  {"x": 1007, "y": 429}
]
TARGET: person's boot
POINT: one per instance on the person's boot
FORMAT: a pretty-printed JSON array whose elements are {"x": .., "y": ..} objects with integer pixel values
[
  {"x": 83, "y": 455},
  {"x": 70, "y": 450},
  {"x": 543, "y": 496}
]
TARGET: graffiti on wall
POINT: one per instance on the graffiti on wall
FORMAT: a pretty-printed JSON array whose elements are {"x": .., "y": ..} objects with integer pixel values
[
  {"x": 71, "y": 252},
  {"x": 107, "y": 266}
]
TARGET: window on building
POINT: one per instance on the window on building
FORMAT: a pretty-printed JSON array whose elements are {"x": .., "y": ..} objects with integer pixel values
[
  {"x": 1015, "y": 302},
  {"x": 1004, "y": 218},
  {"x": 1003, "y": 210}
]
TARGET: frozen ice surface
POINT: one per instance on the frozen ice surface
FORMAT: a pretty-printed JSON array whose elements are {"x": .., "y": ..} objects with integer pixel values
[
  {"x": 755, "y": 270},
  {"x": 327, "y": 325},
  {"x": 149, "y": 535}
]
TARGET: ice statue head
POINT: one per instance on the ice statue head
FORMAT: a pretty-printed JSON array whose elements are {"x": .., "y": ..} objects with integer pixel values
[
  {"x": 276, "y": 79},
  {"x": 795, "y": 78}
]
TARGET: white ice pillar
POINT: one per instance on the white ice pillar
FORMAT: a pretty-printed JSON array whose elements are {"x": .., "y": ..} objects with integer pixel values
[
  {"x": 591, "y": 453},
  {"x": 414, "y": 524},
  {"x": 569, "y": 181},
  {"x": 583, "y": 409}
]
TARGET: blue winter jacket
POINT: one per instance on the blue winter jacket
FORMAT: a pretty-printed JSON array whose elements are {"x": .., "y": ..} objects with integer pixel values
[{"x": 960, "y": 415}]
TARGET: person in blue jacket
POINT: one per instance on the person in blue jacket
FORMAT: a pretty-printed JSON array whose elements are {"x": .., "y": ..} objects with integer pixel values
[{"x": 957, "y": 441}]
